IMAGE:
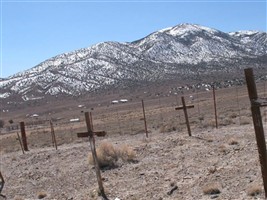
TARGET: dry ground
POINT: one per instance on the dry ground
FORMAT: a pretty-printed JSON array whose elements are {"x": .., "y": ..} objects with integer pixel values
[{"x": 225, "y": 159}]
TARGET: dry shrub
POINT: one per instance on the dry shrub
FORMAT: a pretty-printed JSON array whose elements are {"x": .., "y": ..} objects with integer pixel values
[
  {"x": 108, "y": 155},
  {"x": 232, "y": 141},
  {"x": 226, "y": 121},
  {"x": 41, "y": 195},
  {"x": 94, "y": 194},
  {"x": 18, "y": 198},
  {"x": 212, "y": 188},
  {"x": 209, "y": 123},
  {"x": 126, "y": 153},
  {"x": 223, "y": 148},
  {"x": 245, "y": 120},
  {"x": 233, "y": 115},
  {"x": 201, "y": 118},
  {"x": 210, "y": 140},
  {"x": 167, "y": 128},
  {"x": 212, "y": 169},
  {"x": 254, "y": 190}
]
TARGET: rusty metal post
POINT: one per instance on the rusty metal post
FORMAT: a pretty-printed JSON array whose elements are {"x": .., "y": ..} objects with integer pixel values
[
  {"x": 23, "y": 136},
  {"x": 186, "y": 116},
  {"x": 20, "y": 143},
  {"x": 144, "y": 117},
  {"x": 88, "y": 121},
  {"x": 258, "y": 126},
  {"x": 54, "y": 141},
  {"x": 215, "y": 106}
]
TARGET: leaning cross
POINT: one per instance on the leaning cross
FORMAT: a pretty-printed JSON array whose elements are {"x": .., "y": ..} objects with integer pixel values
[
  {"x": 256, "y": 104},
  {"x": 2, "y": 184},
  {"x": 184, "y": 107},
  {"x": 90, "y": 134}
]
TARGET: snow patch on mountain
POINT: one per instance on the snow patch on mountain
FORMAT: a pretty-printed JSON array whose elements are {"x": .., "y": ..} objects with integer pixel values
[{"x": 155, "y": 57}]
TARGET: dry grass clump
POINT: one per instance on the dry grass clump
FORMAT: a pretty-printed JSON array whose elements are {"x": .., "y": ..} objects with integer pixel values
[
  {"x": 209, "y": 123},
  {"x": 212, "y": 169},
  {"x": 126, "y": 153},
  {"x": 41, "y": 195},
  {"x": 254, "y": 190},
  {"x": 223, "y": 149},
  {"x": 245, "y": 120},
  {"x": 226, "y": 121},
  {"x": 168, "y": 128},
  {"x": 211, "y": 189},
  {"x": 94, "y": 194},
  {"x": 108, "y": 155},
  {"x": 233, "y": 115},
  {"x": 18, "y": 198},
  {"x": 232, "y": 141}
]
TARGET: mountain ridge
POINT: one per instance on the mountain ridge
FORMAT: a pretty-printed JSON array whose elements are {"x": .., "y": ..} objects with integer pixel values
[{"x": 184, "y": 50}]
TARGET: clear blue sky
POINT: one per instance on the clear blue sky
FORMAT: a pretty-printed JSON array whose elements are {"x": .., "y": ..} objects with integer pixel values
[{"x": 33, "y": 31}]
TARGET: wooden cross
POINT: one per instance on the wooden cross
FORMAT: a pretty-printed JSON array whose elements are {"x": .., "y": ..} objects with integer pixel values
[
  {"x": 144, "y": 113},
  {"x": 97, "y": 133},
  {"x": 184, "y": 107},
  {"x": 2, "y": 183},
  {"x": 90, "y": 134},
  {"x": 256, "y": 103},
  {"x": 54, "y": 141},
  {"x": 23, "y": 136},
  {"x": 87, "y": 134}
]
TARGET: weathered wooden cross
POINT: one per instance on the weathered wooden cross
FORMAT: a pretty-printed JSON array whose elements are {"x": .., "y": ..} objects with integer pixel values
[
  {"x": 23, "y": 136},
  {"x": 144, "y": 113},
  {"x": 90, "y": 133},
  {"x": 2, "y": 183},
  {"x": 184, "y": 107},
  {"x": 54, "y": 141},
  {"x": 21, "y": 146},
  {"x": 256, "y": 103}
]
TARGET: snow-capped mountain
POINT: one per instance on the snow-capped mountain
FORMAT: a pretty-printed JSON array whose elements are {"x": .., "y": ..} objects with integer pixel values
[{"x": 185, "y": 49}]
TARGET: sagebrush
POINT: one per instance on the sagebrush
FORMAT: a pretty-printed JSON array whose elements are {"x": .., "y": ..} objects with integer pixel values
[{"x": 108, "y": 155}]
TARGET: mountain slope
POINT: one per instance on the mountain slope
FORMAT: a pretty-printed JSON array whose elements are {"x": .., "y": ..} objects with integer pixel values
[{"x": 185, "y": 49}]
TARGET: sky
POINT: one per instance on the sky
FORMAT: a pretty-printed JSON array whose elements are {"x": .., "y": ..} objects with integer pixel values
[{"x": 33, "y": 31}]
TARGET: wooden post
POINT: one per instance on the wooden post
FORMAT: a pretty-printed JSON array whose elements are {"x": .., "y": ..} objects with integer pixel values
[
  {"x": 91, "y": 121},
  {"x": 2, "y": 183},
  {"x": 184, "y": 107},
  {"x": 256, "y": 103},
  {"x": 54, "y": 141},
  {"x": 90, "y": 133},
  {"x": 23, "y": 136},
  {"x": 215, "y": 106},
  {"x": 20, "y": 143},
  {"x": 144, "y": 117},
  {"x": 237, "y": 100}
]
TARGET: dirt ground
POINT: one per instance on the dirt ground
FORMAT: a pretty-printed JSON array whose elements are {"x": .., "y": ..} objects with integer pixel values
[
  {"x": 224, "y": 158},
  {"x": 168, "y": 164}
]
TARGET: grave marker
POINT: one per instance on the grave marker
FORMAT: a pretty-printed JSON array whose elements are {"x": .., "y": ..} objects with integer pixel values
[
  {"x": 2, "y": 183},
  {"x": 23, "y": 136},
  {"x": 54, "y": 141},
  {"x": 184, "y": 107},
  {"x": 215, "y": 107},
  {"x": 256, "y": 103},
  {"x": 90, "y": 134},
  {"x": 144, "y": 113},
  {"x": 21, "y": 146}
]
